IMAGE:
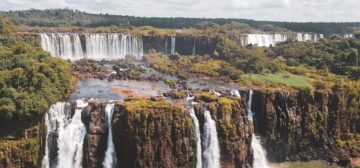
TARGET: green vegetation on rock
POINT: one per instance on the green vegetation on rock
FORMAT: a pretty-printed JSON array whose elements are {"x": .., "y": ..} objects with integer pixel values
[{"x": 280, "y": 79}]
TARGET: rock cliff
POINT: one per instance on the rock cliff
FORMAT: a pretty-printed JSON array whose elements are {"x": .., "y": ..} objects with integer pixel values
[{"x": 308, "y": 126}]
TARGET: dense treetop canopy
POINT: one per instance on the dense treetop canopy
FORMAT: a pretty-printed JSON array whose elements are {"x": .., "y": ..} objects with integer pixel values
[
  {"x": 30, "y": 79},
  {"x": 68, "y": 17}
]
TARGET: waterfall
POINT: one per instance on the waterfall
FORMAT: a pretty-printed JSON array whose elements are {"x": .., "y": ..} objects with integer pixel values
[
  {"x": 67, "y": 46},
  {"x": 70, "y": 133},
  {"x": 266, "y": 40},
  {"x": 260, "y": 160},
  {"x": 194, "y": 48},
  {"x": 57, "y": 116},
  {"x": 198, "y": 138},
  {"x": 211, "y": 154},
  {"x": 173, "y": 43},
  {"x": 96, "y": 45},
  {"x": 309, "y": 37},
  {"x": 71, "y": 138},
  {"x": 110, "y": 155}
]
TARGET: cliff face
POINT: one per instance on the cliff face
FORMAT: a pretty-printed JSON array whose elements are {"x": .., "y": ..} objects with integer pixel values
[
  {"x": 233, "y": 128},
  {"x": 184, "y": 45},
  {"x": 306, "y": 126},
  {"x": 158, "y": 134},
  {"x": 96, "y": 138},
  {"x": 23, "y": 151},
  {"x": 293, "y": 126},
  {"x": 154, "y": 134}
]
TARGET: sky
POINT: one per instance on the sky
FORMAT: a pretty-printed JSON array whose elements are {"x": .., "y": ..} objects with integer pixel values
[{"x": 272, "y": 10}]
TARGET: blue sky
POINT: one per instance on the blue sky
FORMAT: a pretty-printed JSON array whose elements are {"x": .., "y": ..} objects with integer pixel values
[{"x": 275, "y": 10}]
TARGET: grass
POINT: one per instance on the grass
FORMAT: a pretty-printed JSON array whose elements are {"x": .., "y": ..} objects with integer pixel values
[{"x": 290, "y": 80}]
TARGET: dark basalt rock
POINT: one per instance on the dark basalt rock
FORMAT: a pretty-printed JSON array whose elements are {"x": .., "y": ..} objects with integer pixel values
[
  {"x": 308, "y": 126},
  {"x": 157, "y": 135},
  {"x": 234, "y": 130},
  {"x": 95, "y": 142}
]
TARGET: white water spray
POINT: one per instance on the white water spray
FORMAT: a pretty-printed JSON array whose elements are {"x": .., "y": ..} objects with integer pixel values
[
  {"x": 110, "y": 155},
  {"x": 194, "y": 48},
  {"x": 211, "y": 155},
  {"x": 70, "y": 133},
  {"x": 260, "y": 160}
]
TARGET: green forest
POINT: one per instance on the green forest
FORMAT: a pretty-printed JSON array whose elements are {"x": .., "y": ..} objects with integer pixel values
[
  {"x": 69, "y": 18},
  {"x": 30, "y": 79}
]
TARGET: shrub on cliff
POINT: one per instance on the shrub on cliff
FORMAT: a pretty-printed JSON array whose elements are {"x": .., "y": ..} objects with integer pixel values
[{"x": 162, "y": 63}]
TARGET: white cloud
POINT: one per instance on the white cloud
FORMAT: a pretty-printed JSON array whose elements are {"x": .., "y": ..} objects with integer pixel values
[{"x": 277, "y": 10}]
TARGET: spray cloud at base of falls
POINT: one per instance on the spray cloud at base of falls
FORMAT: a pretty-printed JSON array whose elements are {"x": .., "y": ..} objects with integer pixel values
[
  {"x": 110, "y": 155},
  {"x": 93, "y": 46},
  {"x": 260, "y": 160},
  {"x": 70, "y": 133}
]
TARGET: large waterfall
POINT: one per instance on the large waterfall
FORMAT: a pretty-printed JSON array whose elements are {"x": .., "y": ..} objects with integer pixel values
[
  {"x": 110, "y": 155},
  {"x": 70, "y": 133},
  {"x": 260, "y": 160},
  {"x": 210, "y": 142},
  {"x": 198, "y": 138},
  {"x": 94, "y": 45},
  {"x": 266, "y": 40}
]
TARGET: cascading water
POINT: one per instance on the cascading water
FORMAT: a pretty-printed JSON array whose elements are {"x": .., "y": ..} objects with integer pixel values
[
  {"x": 71, "y": 139},
  {"x": 67, "y": 46},
  {"x": 260, "y": 160},
  {"x": 110, "y": 155},
  {"x": 97, "y": 46},
  {"x": 235, "y": 93},
  {"x": 211, "y": 154},
  {"x": 70, "y": 133},
  {"x": 57, "y": 116},
  {"x": 266, "y": 40},
  {"x": 173, "y": 44},
  {"x": 198, "y": 138}
]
